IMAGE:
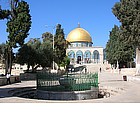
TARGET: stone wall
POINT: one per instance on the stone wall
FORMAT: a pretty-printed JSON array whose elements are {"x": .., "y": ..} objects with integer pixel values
[
  {"x": 28, "y": 76},
  {"x": 71, "y": 95},
  {"x": 13, "y": 79},
  {"x": 128, "y": 71}
]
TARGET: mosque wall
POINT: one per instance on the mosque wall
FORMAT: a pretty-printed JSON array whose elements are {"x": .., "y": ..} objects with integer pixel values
[
  {"x": 87, "y": 54},
  {"x": 81, "y": 50}
]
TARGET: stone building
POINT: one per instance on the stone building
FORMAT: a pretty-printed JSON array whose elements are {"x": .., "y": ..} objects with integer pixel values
[{"x": 81, "y": 49}]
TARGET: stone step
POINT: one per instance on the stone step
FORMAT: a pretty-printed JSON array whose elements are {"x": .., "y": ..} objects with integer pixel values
[{"x": 21, "y": 91}]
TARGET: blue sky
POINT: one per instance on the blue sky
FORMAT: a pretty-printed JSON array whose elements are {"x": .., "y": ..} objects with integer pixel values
[{"x": 93, "y": 15}]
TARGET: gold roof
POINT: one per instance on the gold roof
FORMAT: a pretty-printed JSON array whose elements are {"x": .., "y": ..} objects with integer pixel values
[{"x": 79, "y": 35}]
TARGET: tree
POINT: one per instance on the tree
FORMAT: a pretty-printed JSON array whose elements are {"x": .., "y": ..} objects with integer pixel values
[
  {"x": 46, "y": 55},
  {"x": 60, "y": 45},
  {"x": 112, "y": 45},
  {"x": 19, "y": 23},
  {"x": 24, "y": 55},
  {"x": 36, "y": 53},
  {"x": 46, "y": 50},
  {"x": 2, "y": 54},
  {"x": 28, "y": 54},
  {"x": 18, "y": 26},
  {"x": 4, "y": 13},
  {"x": 47, "y": 37},
  {"x": 65, "y": 62},
  {"x": 128, "y": 13},
  {"x": 116, "y": 49}
]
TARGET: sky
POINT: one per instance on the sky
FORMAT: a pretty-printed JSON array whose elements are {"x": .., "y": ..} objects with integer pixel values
[{"x": 95, "y": 16}]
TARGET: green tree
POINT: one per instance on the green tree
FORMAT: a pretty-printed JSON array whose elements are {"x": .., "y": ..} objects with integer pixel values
[
  {"x": 65, "y": 62},
  {"x": 47, "y": 37},
  {"x": 19, "y": 23},
  {"x": 2, "y": 54},
  {"x": 117, "y": 50},
  {"x": 4, "y": 14},
  {"x": 112, "y": 45},
  {"x": 36, "y": 53},
  {"x": 46, "y": 55},
  {"x": 46, "y": 50},
  {"x": 18, "y": 26},
  {"x": 24, "y": 55},
  {"x": 128, "y": 13},
  {"x": 29, "y": 54},
  {"x": 60, "y": 45}
]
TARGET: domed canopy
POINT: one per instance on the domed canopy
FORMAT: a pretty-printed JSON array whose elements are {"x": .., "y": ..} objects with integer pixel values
[{"x": 79, "y": 35}]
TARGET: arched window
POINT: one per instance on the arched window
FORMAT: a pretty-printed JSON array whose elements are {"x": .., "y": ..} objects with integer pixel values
[
  {"x": 79, "y": 53},
  {"x": 79, "y": 56},
  {"x": 71, "y": 54},
  {"x": 87, "y": 56},
  {"x": 96, "y": 57}
]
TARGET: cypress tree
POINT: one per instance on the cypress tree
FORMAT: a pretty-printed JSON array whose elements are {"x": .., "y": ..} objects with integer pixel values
[
  {"x": 18, "y": 26},
  {"x": 60, "y": 45},
  {"x": 128, "y": 13}
]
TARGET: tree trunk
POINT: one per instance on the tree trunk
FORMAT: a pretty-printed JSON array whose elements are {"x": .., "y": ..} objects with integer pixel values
[
  {"x": 32, "y": 68},
  {"x": 35, "y": 68},
  {"x": 28, "y": 67},
  {"x": 8, "y": 61},
  {"x": 6, "y": 64}
]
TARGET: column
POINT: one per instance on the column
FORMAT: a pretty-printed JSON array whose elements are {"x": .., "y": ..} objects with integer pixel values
[{"x": 137, "y": 61}]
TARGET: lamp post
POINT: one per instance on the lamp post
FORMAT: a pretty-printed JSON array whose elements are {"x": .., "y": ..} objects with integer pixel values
[
  {"x": 53, "y": 46},
  {"x": 53, "y": 28}
]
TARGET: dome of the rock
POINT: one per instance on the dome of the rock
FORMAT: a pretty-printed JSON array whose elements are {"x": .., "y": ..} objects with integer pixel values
[{"x": 79, "y": 35}]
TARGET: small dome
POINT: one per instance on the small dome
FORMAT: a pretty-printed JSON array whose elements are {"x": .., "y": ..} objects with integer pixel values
[{"x": 79, "y": 35}]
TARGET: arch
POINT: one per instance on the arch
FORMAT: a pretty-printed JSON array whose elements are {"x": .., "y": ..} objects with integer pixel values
[
  {"x": 79, "y": 56},
  {"x": 96, "y": 56},
  {"x": 87, "y": 56},
  {"x": 71, "y": 54},
  {"x": 79, "y": 53}
]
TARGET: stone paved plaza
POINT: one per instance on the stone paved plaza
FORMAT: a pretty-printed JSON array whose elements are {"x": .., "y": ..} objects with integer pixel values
[{"x": 120, "y": 91}]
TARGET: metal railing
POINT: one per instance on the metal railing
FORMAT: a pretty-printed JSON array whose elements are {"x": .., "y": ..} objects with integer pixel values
[{"x": 67, "y": 82}]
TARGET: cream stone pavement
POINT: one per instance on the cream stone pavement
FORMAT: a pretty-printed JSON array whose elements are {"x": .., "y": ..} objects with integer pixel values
[{"x": 120, "y": 91}]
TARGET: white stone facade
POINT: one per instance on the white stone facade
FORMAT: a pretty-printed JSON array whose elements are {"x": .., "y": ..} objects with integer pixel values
[
  {"x": 80, "y": 49},
  {"x": 85, "y": 55}
]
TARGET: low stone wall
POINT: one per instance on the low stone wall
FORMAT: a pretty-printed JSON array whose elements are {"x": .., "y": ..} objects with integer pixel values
[
  {"x": 128, "y": 71},
  {"x": 13, "y": 79},
  {"x": 124, "y": 71},
  {"x": 28, "y": 76},
  {"x": 133, "y": 78},
  {"x": 72, "y": 95}
]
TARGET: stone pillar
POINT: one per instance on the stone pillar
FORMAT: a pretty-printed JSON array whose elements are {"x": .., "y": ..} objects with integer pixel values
[
  {"x": 117, "y": 65},
  {"x": 101, "y": 57},
  {"x": 137, "y": 61}
]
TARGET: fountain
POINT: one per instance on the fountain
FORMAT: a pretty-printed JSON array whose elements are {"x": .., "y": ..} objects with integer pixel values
[{"x": 68, "y": 86}]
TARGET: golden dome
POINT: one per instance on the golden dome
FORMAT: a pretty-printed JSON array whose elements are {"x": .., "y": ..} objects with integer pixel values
[{"x": 79, "y": 35}]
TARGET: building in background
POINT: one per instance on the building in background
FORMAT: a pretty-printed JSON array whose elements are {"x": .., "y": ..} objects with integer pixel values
[{"x": 81, "y": 49}]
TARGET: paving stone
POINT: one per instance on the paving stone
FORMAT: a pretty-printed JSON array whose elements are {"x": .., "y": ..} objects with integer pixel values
[{"x": 121, "y": 91}]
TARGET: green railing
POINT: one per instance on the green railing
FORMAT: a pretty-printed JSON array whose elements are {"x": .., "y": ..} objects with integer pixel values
[{"x": 67, "y": 82}]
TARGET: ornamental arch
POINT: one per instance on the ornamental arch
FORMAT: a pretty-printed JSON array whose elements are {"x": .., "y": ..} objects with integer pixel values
[
  {"x": 71, "y": 54},
  {"x": 87, "y": 56},
  {"x": 96, "y": 56},
  {"x": 79, "y": 56}
]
